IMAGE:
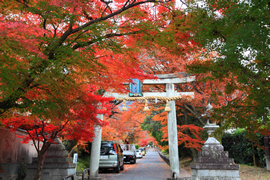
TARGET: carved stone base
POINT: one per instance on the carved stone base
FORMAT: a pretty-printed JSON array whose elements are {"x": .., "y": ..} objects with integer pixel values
[
  {"x": 213, "y": 163},
  {"x": 205, "y": 174}
]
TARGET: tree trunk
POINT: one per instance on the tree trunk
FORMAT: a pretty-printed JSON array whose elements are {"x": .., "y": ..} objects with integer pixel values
[
  {"x": 185, "y": 112},
  {"x": 71, "y": 152},
  {"x": 253, "y": 153},
  {"x": 267, "y": 152},
  {"x": 41, "y": 158},
  {"x": 40, "y": 162},
  {"x": 218, "y": 135},
  {"x": 194, "y": 153}
]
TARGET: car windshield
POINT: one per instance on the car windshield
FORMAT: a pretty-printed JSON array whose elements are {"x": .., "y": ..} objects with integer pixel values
[{"x": 106, "y": 149}]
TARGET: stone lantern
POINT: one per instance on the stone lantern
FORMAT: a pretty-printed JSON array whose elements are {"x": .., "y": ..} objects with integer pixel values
[{"x": 213, "y": 162}]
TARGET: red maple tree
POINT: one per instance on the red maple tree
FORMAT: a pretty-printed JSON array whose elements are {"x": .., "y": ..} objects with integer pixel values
[
  {"x": 77, "y": 124},
  {"x": 53, "y": 50}
]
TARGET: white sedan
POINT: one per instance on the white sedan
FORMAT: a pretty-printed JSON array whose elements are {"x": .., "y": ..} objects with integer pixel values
[{"x": 139, "y": 154}]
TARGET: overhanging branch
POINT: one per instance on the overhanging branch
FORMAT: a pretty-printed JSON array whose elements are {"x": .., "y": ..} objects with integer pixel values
[
  {"x": 193, "y": 111},
  {"x": 80, "y": 45}
]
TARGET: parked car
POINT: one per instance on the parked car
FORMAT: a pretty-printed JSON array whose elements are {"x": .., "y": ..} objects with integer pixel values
[
  {"x": 143, "y": 151},
  {"x": 111, "y": 156},
  {"x": 129, "y": 151},
  {"x": 139, "y": 154},
  {"x": 144, "y": 148}
]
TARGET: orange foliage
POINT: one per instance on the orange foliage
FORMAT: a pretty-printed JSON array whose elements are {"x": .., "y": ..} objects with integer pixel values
[
  {"x": 188, "y": 141},
  {"x": 125, "y": 124},
  {"x": 145, "y": 139}
]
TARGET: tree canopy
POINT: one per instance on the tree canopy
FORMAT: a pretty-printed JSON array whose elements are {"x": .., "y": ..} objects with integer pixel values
[
  {"x": 238, "y": 31},
  {"x": 56, "y": 46},
  {"x": 58, "y": 58}
]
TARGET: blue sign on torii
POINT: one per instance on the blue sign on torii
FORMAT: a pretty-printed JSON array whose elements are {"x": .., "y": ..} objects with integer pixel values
[{"x": 135, "y": 88}]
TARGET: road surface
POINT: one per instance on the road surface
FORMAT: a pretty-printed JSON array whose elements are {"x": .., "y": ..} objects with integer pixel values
[{"x": 150, "y": 167}]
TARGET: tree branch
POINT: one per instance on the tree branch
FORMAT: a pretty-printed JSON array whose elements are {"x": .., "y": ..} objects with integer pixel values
[
  {"x": 193, "y": 111},
  {"x": 80, "y": 45},
  {"x": 124, "y": 8}
]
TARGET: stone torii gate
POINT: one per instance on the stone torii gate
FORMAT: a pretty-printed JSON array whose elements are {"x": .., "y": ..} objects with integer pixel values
[{"x": 170, "y": 96}]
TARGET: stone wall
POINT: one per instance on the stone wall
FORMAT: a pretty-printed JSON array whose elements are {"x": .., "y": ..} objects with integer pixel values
[
  {"x": 13, "y": 154},
  {"x": 165, "y": 158},
  {"x": 19, "y": 161}
]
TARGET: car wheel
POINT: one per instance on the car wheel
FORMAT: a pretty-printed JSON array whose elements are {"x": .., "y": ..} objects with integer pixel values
[
  {"x": 122, "y": 167},
  {"x": 134, "y": 161},
  {"x": 117, "y": 169}
]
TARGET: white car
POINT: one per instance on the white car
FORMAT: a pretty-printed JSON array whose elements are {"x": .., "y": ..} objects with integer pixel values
[
  {"x": 129, "y": 152},
  {"x": 139, "y": 153}
]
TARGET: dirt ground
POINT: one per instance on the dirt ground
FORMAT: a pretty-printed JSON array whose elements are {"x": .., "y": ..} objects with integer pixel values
[
  {"x": 246, "y": 172},
  {"x": 253, "y": 173}
]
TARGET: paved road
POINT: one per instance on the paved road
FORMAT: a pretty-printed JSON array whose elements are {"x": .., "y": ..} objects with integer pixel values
[{"x": 150, "y": 167}]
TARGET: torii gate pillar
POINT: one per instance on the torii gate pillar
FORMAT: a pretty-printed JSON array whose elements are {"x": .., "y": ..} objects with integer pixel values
[
  {"x": 95, "y": 151},
  {"x": 172, "y": 132}
]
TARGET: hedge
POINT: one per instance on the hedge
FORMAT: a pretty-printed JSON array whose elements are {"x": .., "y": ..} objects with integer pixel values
[{"x": 240, "y": 148}]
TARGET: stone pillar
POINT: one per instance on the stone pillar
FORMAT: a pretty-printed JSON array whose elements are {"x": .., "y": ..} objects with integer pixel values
[
  {"x": 213, "y": 162},
  {"x": 95, "y": 151},
  {"x": 172, "y": 132}
]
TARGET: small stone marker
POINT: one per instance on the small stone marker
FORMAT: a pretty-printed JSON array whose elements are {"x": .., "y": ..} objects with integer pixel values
[
  {"x": 75, "y": 158},
  {"x": 213, "y": 162}
]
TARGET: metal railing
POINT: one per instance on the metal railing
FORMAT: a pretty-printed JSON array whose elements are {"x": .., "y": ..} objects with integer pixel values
[
  {"x": 88, "y": 170},
  {"x": 69, "y": 176}
]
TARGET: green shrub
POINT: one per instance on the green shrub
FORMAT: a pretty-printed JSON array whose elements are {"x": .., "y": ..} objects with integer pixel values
[
  {"x": 83, "y": 163},
  {"x": 165, "y": 151},
  {"x": 240, "y": 148},
  {"x": 80, "y": 166}
]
